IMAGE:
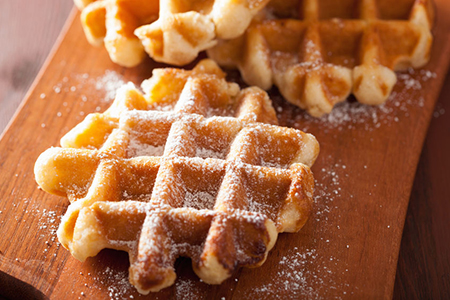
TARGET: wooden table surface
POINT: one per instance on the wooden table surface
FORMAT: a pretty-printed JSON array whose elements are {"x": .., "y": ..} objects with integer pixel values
[{"x": 28, "y": 30}]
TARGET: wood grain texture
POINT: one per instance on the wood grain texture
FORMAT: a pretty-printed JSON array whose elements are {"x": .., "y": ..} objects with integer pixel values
[
  {"x": 424, "y": 261},
  {"x": 356, "y": 230}
]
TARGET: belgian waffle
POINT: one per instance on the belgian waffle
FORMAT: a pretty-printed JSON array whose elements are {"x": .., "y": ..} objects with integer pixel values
[
  {"x": 185, "y": 28},
  {"x": 193, "y": 167},
  {"x": 319, "y": 51},
  {"x": 182, "y": 28},
  {"x": 113, "y": 22}
]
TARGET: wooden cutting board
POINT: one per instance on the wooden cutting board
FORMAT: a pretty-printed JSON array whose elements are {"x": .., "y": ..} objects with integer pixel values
[{"x": 348, "y": 249}]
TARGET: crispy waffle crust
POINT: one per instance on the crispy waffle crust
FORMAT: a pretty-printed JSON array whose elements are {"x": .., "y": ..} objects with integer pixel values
[
  {"x": 113, "y": 22},
  {"x": 172, "y": 31},
  {"x": 317, "y": 52},
  {"x": 193, "y": 167},
  {"x": 185, "y": 28}
]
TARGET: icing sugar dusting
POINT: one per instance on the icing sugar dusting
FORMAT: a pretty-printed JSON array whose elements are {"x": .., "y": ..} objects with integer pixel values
[
  {"x": 351, "y": 114},
  {"x": 185, "y": 289},
  {"x": 303, "y": 272},
  {"x": 109, "y": 82},
  {"x": 209, "y": 153},
  {"x": 291, "y": 276},
  {"x": 199, "y": 200},
  {"x": 113, "y": 283},
  {"x": 136, "y": 148}
]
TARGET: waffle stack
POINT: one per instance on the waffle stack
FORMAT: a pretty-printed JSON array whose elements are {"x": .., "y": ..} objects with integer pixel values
[
  {"x": 172, "y": 31},
  {"x": 317, "y": 52},
  {"x": 195, "y": 167}
]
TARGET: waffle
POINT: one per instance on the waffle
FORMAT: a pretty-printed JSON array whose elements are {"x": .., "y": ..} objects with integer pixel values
[
  {"x": 317, "y": 52},
  {"x": 112, "y": 23},
  {"x": 182, "y": 28},
  {"x": 185, "y": 28},
  {"x": 193, "y": 167}
]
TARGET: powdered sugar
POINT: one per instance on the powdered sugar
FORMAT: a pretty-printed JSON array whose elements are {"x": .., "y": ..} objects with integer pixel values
[
  {"x": 290, "y": 276},
  {"x": 185, "y": 289},
  {"x": 209, "y": 153},
  {"x": 303, "y": 272},
  {"x": 107, "y": 83},
  {"x": 352, "y": 114},
  {"x": 199, "y": 200},
  {"x": 47, "y": 227},
  {"x": 113, "y": 283},
  {"x": 136, "y": 148}
]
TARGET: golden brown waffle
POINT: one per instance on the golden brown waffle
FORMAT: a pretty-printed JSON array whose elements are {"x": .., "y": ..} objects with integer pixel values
[
  {"x": 185, "y": 28},
  {"x": 194, "y": 167},
  {"x": 181, "y": 31},
  {"x": 319, "y": 51},
  {"x": 113, "y": 22}
]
